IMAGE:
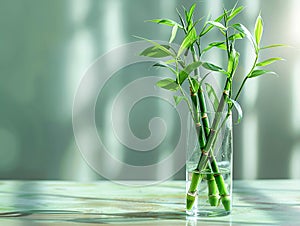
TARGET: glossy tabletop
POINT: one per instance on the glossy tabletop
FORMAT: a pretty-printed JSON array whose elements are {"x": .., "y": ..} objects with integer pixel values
[{"x": 261, "y": 202}]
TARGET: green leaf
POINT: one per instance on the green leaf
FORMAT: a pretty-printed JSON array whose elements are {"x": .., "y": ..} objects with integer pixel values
[
  {"x": 191, "y": 12},
  {"x": 236, "y": 36},
  {"x": 268, "y": 61},
  {"x": 212, "y": 96},
  {"x": 159, "y": 46},
  {"x": 173, "y": 34},
  {"x": 241, "y": 28},
  {"x": 168, "y": 84},
  {"x": 257, "y": 73},
  {"x": 220, "y": 45},
  {"x": 164, "y": 65},
  {"x": 187, "y": 42},
  {"x": 258, "y": 30},
  {"x": 178, "y": 99},
  {"x": 156, "y": 51},
  {"x": 182, "y": 76},
  {"x": 234, "y": 13},
  {"x": 217, "y": 24},
  {"x": 233, "y": 62},
  {"x": 213, "y": 67},
  {"x": 207, "y": 29},
  {"x": 273, "y": 46},
  {"x": 187, "y": 70},
  {"x": 191, "y": 67},
  {"x": 194, "y": 85},
  {"x": 167, "y": 22},
  {"x": 238, "y": 109}
]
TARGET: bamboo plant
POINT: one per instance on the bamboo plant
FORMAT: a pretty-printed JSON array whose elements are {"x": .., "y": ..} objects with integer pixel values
[{"x": 194, "y": 73}]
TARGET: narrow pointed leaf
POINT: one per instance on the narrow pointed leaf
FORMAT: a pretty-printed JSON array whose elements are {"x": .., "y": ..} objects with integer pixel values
[
  {"x": 273, "y": 46},
  {"x": 191, "y": 67},
  {"x": 173, "y": 34},
  {"x": 213, "y": 67},
  {"x": 194, "y": 85},
  {"x": 241, "y": 28},
  {"x": 164, "y": 65},
  {"x": 207, "y": 29},
  {"x": 187, "y": 70},
  {"x": 191, "y": 12},
  {"x": 268, "y": 61},
  {"x": 181, "y": 19},
  {"x": 257, "y": 73},
  {"x": 157, "y": 51},
  {"x": 212, "y": 96},
  {"x": 234, "y": 13},
  {"x": 217, "y": 24},
  {"x": 258, "y": 30},
  {"x": 159, "y": 46},
  {"x": 236, "y": 36},
  {"x": 182, "y": 76},
  {"x": 178, "y": 99},
  {"x": 220, "y": 45},
  {"x": 238, "y": 109},
  {"x": 168, "y": 84},
  {"x": 167, "y": 22},
  {"x": 187, "y": 42}
]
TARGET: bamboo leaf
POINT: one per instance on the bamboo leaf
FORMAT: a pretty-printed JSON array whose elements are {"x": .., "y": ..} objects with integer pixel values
[
  {"x": 181, "y": 19},
  {"x": 234, "y": 13},
  {"x": 236, "y": 36},
  {"x": 168, "y": 84},
  {"x": 220, "y": 45},
  {"x": 258, "y": 30},
  {"x": 187, "y": 70},
  {"x": 182, "y": 76},
  {"x": 173, "y": 34},
  {"x": 213, "y": 67},
  {"x": 273, "y": 46},
  {"x": 159, "y": 46},
  {"x": 191, "y": 67},
  {"x": 257, "y": 73},
  {"x": 194, "y": 85},
  {"x": 268, "y": 61},
  {"x": 212, "y": 96},
  {"x": 191, "y": 12},
  {"x": 238, "y": 108},
  {"x": 241, "y": 28},
  {"x": 164, "y": 65},
  {"x": 187, "y": 42},
  {"x": 167, "y": 22},
  {"x": 178, "y": 99},
  {"x": 157, "y": 51},
  {"x": 207, "y": 29},
  {"x": 217, "y": 24}
]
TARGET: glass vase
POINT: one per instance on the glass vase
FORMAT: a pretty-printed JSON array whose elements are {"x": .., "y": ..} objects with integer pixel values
[{"x": 209, "y": 168}]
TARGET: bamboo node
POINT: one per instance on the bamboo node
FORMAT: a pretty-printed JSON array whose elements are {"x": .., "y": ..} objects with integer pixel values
[
  {"x": 204, "y": 152},
  {"x": 224, "y": 195},
  {"x": 226, "y": 92},
  {"x": 204, "y": 115},
  {"x": 193, "y": 194}
]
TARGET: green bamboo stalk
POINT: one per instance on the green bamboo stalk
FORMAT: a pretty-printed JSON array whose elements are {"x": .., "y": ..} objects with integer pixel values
[{"x": 196, "y": 177}]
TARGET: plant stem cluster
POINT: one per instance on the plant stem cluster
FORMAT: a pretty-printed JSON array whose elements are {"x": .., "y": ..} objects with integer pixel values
[{"x": 194, "y": 73}]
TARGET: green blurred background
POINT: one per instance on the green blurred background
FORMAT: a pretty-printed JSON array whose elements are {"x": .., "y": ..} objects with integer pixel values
[{"x": 47, "y": 45}]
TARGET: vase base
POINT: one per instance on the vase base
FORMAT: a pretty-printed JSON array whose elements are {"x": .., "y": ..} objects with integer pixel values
[{"x": 207, "y": 213}]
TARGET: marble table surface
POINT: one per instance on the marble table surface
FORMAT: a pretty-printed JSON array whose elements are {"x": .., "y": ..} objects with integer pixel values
[{"x": 260, "y": 202}]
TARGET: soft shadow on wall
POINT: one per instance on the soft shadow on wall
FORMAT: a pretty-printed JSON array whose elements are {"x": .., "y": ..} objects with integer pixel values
[{"x": 46, "y": 46}]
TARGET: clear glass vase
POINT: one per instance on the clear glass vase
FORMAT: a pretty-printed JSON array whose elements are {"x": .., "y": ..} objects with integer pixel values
[{"x": 209, "y": 168}]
